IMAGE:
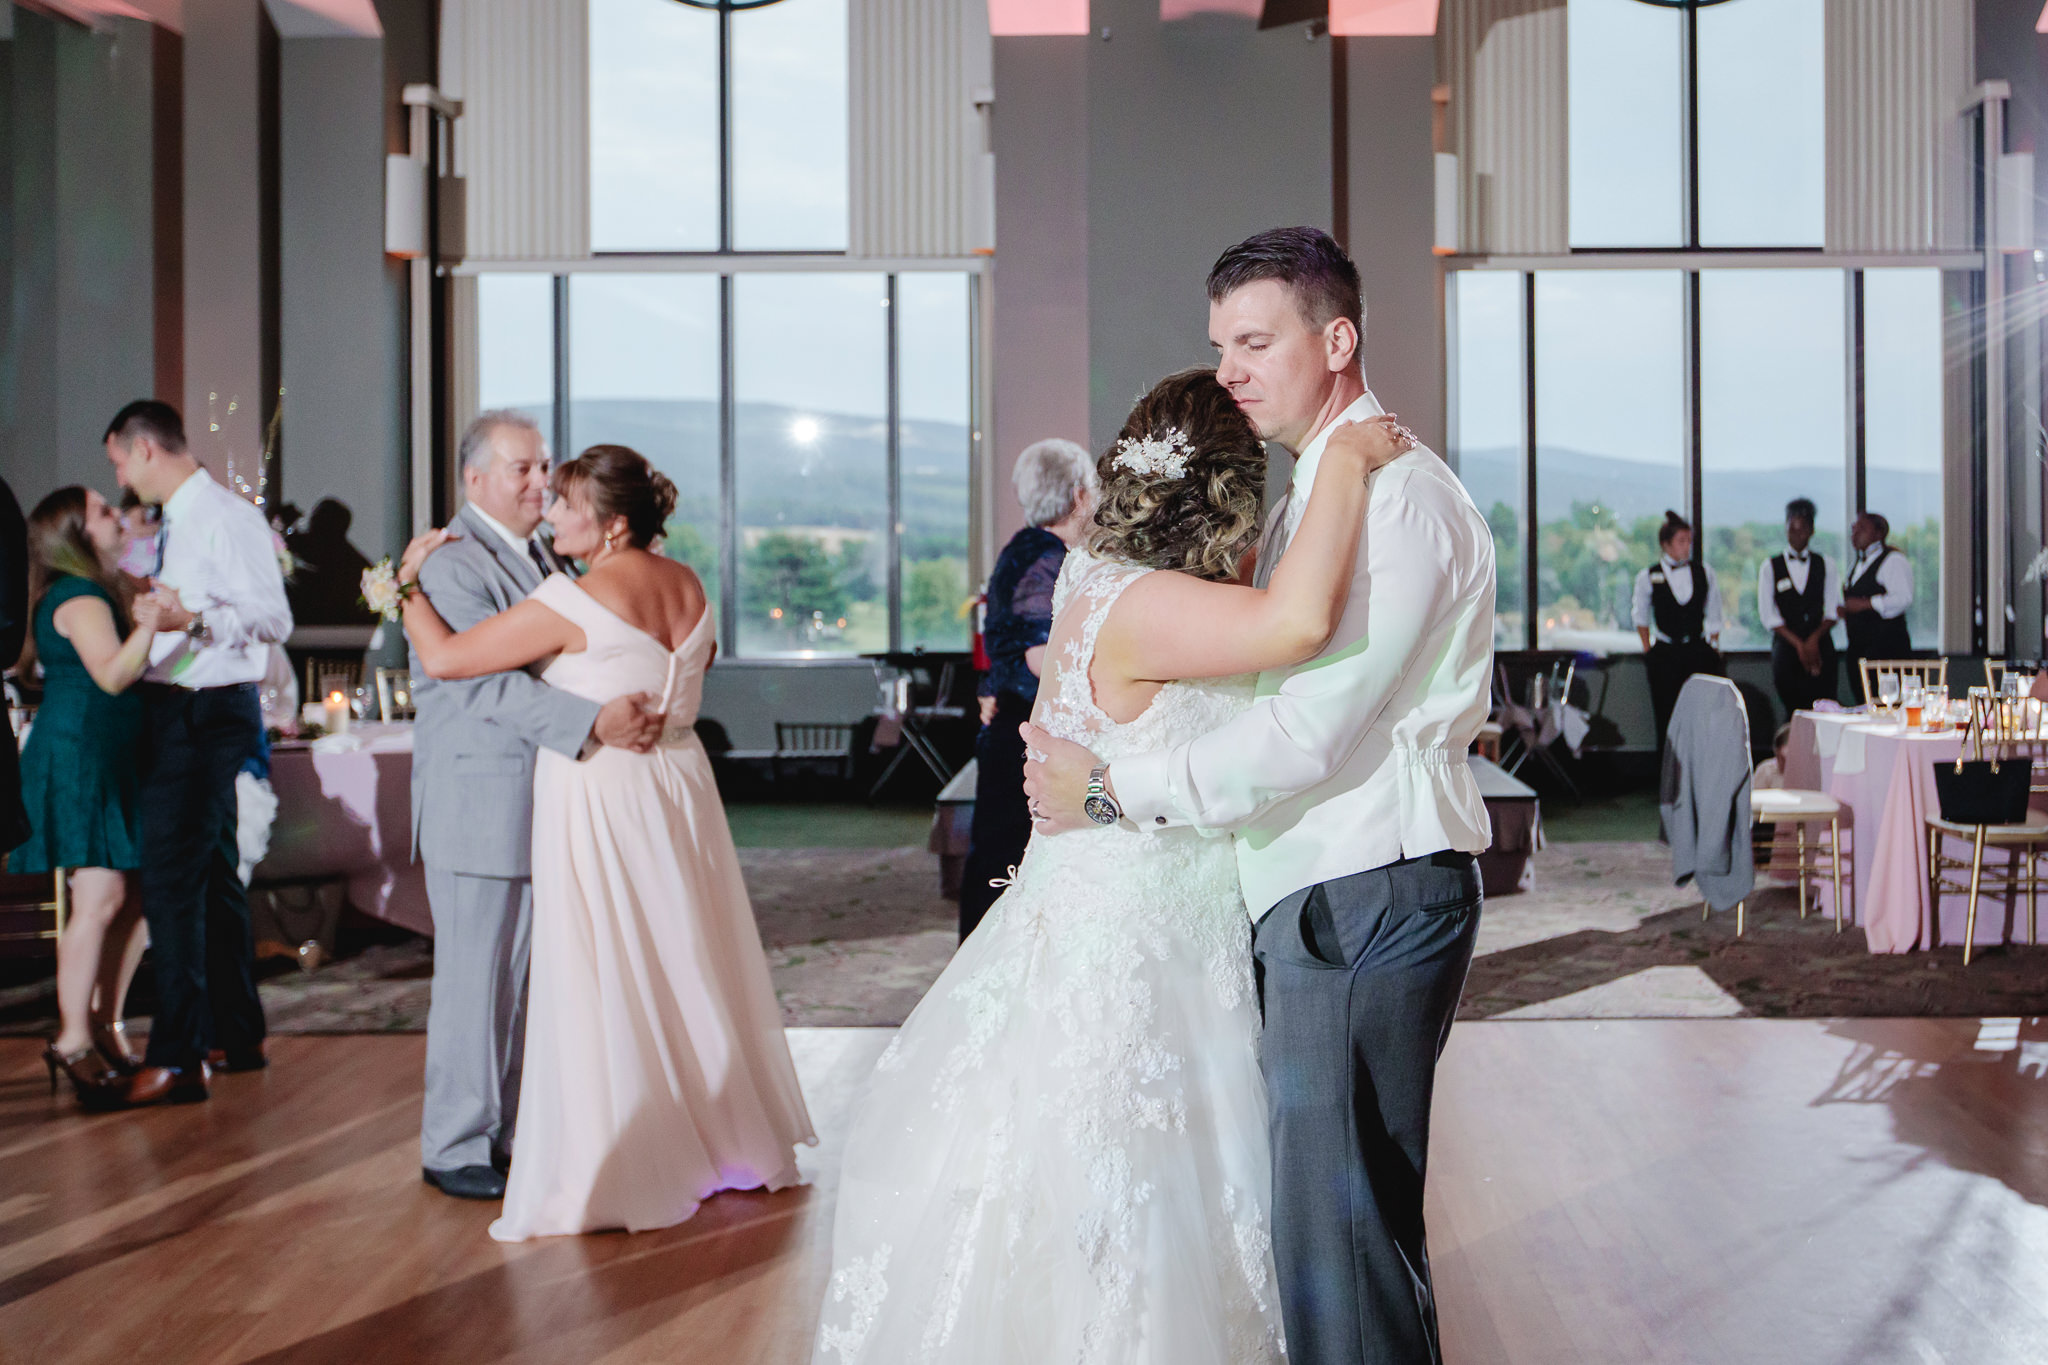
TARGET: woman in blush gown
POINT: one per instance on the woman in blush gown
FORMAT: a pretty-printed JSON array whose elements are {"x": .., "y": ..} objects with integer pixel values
[
  {"x": 1062, "y": 1156},
  {"x": 656, "y": 1071}
]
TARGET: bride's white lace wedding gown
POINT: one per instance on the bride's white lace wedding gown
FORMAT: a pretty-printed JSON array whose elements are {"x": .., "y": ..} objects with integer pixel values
[{"x": 1062, "y": 1156}]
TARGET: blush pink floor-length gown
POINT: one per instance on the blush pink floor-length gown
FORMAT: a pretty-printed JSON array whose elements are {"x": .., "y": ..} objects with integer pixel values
[{"x": 656, "y": 1069}]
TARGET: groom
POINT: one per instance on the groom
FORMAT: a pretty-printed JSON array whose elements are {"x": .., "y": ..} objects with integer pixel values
[
  {"x": 472, "y": 807},
  {"x": 1355, "y": 816}
]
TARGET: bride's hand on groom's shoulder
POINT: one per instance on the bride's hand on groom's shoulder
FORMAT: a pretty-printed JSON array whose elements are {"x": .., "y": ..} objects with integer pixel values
[
  {"x": 1055, "y": 781},
  {"x": 1371, "y": 443},
  {"x": 417, "y": 550}
]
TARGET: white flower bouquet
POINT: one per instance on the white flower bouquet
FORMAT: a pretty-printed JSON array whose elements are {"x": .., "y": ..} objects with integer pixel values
[{"x": 382, "y": 592}]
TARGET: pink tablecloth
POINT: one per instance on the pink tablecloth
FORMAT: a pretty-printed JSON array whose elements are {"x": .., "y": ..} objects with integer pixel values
[
  {"x": 1885, "y": 780},
  {"x": 348, "y": 814}
]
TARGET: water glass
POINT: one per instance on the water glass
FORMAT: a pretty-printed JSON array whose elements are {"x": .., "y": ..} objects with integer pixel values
[
  {"x": 1888, "y": 690},
  {"x": 1934, "y": 705}
]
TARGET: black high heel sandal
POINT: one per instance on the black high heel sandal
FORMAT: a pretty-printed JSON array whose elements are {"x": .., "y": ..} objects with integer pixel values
[
  {"x": 87, "y": 1078},
  {"x": 111, "y": 1041}
]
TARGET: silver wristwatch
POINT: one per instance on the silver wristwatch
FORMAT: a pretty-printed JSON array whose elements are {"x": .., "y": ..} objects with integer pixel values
[{"x": 1100, "y": 805}]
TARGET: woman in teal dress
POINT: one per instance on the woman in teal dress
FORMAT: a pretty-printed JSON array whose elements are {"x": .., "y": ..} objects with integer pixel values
[{"x": 79, "y": 771}]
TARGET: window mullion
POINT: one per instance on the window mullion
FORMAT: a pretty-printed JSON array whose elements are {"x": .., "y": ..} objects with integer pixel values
[
  {"x": 728, "y": 481},
  {"x": 894, "y": 537},
  {"x": 1689, "y": 111},
  {"x": 724, "y": 128},
  {"x": 1694, "y": 482},
  {"x": 1530, "y": 524}
]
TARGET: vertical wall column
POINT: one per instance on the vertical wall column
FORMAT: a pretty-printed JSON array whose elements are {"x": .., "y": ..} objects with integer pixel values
[
  {"x": 1390, "y": 187},
  {"x": 231, "y": 226},
  {"x": 1039, "y": 287}
]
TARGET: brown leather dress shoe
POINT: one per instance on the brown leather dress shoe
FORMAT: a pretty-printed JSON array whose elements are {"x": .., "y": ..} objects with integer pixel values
[{"x": 166, "y": 1085}]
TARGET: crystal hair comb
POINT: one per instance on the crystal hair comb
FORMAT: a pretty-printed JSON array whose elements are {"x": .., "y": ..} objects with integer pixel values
[{"x": 1162, "y": 456}]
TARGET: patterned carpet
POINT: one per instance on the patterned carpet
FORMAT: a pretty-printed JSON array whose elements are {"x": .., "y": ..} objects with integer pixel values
[{"x": 855, "y": 936}]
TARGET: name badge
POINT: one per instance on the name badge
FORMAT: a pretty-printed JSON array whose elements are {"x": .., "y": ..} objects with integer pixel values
[
  {"x": 1657, "y": 578},
  {"x": 1784, "y": 585}
]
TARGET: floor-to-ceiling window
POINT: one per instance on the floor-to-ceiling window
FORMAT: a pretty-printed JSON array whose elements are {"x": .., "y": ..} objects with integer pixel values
[
  {"x": 817, "y": 418},
  {"x": 1698, "y": 351},
  {"x": 1773, "y": 367},
  {"x": 1610, "y": 444}
]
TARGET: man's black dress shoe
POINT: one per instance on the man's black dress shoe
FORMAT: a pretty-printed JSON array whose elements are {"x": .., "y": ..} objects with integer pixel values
[
  {"x": 466, "y": 1182},
  {"x": 238, "y": 1059}
]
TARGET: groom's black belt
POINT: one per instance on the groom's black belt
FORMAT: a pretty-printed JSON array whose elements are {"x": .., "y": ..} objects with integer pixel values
[{"x": 1448, "y": 857}]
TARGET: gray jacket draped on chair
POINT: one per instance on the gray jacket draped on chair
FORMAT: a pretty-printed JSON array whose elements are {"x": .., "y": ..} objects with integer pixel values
[{"x": 1704, "y": 797}]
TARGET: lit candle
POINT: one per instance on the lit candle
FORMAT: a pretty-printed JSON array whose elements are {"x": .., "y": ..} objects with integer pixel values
[{"x": 337, "y": 713}]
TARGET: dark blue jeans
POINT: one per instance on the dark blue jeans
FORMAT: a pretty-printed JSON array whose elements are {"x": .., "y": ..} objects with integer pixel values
[
  {"x": 1359, "y": 979},
  {"x": 198, "y": 912}
]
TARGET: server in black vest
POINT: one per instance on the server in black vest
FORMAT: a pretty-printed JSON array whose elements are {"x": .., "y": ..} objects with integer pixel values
[
  {"x": 1798, "y": 601},
  {"x": 1875, "y": 594},
  {"x": 1678, "y": 615}
]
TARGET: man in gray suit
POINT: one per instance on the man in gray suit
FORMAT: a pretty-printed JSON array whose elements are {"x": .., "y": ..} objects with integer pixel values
[{"x": 472, "y": 803}]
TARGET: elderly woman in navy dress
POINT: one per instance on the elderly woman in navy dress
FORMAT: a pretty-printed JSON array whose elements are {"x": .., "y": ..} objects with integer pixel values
[{"x": 1056, "y": 485}]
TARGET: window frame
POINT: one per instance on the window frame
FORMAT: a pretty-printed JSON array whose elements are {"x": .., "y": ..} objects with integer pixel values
[
  {"x": 975, "y": 269},
  {"x": 1689, "y": 160},
  {"x": 1692, "y": 263},
  {"x": 725, "y": 9}
]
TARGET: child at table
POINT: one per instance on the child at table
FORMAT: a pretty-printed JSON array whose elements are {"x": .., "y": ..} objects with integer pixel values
[{"x": 1770, "y": 774}]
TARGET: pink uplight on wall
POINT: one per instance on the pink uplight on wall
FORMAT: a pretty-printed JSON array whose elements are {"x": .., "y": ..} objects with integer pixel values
[
  {"x": 1037, "y": 18},
  {"x": 1383, "y": 18}
]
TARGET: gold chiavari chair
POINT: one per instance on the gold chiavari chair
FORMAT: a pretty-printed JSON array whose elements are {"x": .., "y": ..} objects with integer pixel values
[
  {"x": 1926, "y": 672},
  {"x": 1994, "y": 675},
  {"x": 324, "y": 677},
  {"x": 2005, "y": 732},
  {"x": 394, "y": 694},
  {"x": 24, "y": 900},
  {"x": 1792, "y": 806}
]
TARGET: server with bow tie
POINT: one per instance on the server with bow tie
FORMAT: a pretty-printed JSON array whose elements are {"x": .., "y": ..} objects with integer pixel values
[{"x": 1799, "y": 601}]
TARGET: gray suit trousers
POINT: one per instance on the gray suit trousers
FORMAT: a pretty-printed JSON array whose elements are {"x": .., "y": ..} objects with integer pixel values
[
  {"x": 1359, "y": 979},
  {"x": 476, "y": 1021}
]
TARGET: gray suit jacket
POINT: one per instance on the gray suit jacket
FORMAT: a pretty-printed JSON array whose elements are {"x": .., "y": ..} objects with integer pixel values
[
  {"x": 474, "y": 740},
  {"x": 1705, "y": 795}
]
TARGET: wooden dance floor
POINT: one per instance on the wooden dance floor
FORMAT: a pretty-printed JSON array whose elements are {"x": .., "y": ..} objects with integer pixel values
[{"x": 1732, "y": 1190}]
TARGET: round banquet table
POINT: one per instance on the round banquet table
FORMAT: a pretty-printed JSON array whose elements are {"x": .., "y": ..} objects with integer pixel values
[
  {"x": 1884, "y": 777},
  {"x": 345, "y": 811}
]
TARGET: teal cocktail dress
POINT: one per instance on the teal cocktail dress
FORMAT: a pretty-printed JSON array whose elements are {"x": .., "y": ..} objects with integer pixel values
[{"x": 80, "y": 770}]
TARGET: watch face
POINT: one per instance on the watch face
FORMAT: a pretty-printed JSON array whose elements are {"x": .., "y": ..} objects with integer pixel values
[{"x": 1102, "y": 810}]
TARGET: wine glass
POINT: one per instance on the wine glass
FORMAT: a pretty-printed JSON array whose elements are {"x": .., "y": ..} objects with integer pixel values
[{"x": 1888, "y": 690}]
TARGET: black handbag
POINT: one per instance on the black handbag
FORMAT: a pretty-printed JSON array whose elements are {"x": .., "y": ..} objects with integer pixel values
[{"x": 1984, "y": 790}]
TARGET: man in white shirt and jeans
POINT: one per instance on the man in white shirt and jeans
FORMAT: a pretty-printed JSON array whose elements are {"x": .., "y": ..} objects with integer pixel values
[
  {"x": 224, "y": 607},
  {"x": 1355, "y": 815}
]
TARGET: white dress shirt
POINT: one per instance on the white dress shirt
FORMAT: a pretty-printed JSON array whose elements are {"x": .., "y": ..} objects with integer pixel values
[
  {"x": 1355, "y": 759},
  {"x": 1797, "y": 567},
  {"x": 1894, "y": 577},
  {"x": 1680, "y": 584},
  {"x": 218, "y": 554}
]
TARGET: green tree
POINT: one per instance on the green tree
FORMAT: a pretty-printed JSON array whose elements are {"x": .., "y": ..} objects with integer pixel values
[
  {"x": 788, "y": 582},
  {"x": 933, "y": 590},
  {"x": 683, "y": 542}
]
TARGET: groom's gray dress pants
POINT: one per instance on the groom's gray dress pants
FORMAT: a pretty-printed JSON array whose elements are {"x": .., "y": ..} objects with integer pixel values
[
  {"x": 1359, "y": 979},
  {"x": 476, "y": 1020}
]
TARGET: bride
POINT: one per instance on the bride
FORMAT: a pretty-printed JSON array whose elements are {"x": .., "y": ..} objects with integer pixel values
[
  {"x": 1063, "y": 1156},
  {"x": 656, "y": 1068}
]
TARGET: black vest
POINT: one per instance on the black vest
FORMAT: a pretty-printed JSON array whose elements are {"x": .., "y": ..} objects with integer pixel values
[
  {"x": 1870, "y": 635},
  {"x": 1679, "y": 624},
  {"x": 1801, "y": 610}
]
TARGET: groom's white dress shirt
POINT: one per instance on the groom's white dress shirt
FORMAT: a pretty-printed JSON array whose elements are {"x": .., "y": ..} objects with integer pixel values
[
  {"x": 1355, "y": 759},
  {"x": 218, "y": 554}
]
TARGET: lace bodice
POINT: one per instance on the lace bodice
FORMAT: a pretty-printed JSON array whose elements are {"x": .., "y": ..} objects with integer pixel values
[{"x": 1181, "y": 710}]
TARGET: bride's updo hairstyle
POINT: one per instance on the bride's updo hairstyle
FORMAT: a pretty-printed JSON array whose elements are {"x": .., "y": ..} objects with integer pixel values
[
  {"x": 1183, "y": 486},
  {"x": 617, "y": 481}
]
